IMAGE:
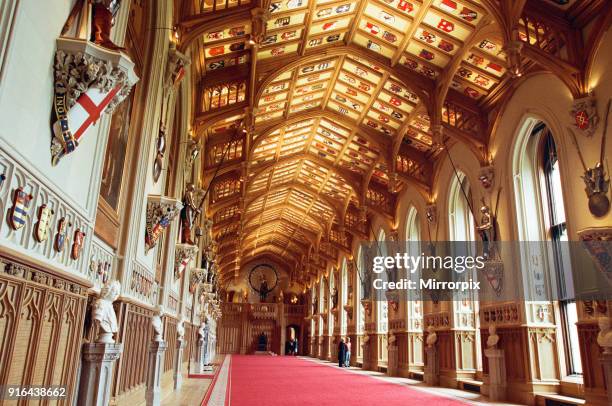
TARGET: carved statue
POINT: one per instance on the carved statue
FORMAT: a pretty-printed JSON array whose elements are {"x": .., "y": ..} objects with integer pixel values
[
  {"x": 604, "y": 338},
  {"x": 493, "y": 338},
  {"x": 203, "y": 330},
  {"x": 103, "y": 313},
  {"x": 486, "y": 229},
  {"x": 104, "y": 12},
  {"x": 180, "y": 328},
  {"x": 334, "y": 298},
  {"x": 157, "y": 323},
  {"x": 263, "y": 289},
  {"x": 188, "y": 213},
  {"x": 432, "y": 337}
]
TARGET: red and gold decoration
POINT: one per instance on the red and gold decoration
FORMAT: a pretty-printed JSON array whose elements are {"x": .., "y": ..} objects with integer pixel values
[
  {"x": 77, "y": 244},
  {"x": 41, "y": 229},
  {"x": 18, "y": 214},
  {"x": 161, "y": 211},
  {"x": 60, "y": 236},
  {"x": 184, "y": 254}
]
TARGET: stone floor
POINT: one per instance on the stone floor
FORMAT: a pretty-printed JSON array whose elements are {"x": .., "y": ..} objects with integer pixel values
[{"x": 191, "y": 393}]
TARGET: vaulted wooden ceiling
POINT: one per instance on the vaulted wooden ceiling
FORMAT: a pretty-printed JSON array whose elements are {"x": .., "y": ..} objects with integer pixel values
[{"x": 316, "y": 113}]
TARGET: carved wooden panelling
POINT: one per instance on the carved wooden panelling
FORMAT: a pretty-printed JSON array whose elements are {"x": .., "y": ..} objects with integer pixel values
[
  {"x": 41, "y": 323},
  {"x": 135, "y": 332},
  {"x": 590, "y": 353},
  {"x": 170, "y": 338}
]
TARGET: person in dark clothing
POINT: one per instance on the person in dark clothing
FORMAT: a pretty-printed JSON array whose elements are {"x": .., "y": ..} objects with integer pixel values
[{"x": 341, "y": 353}]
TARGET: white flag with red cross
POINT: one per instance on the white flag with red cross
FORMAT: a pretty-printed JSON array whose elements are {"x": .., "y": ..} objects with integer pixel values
[{"x": 70, "y": 127}]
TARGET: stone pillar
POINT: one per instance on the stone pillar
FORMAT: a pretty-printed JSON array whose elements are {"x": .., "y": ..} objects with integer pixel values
[
  {"x": 202, "y": 355},
  {"x": 432, "y": 366},
  {"x": 606, "y": 362},
  {"x": 154, "y": 372},
  {"x": 178, "y": 364},
  {"x": 393, "y": 360},
  {"x": 497, "y": 373},
  {"x": 97, "y": 373}
]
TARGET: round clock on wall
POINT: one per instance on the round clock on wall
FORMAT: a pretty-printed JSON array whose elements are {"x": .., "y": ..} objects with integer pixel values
[{"x": 263, "y": 278}]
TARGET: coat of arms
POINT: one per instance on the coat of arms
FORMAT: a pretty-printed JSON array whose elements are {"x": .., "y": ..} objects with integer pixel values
[
  {"x": 19, "y": 211},
  {"x": 584, "y": 113},
  {"x": 77, "y": 244},
  {"x": 41, "y": 230},
  {"x": 60, "y": 237}
]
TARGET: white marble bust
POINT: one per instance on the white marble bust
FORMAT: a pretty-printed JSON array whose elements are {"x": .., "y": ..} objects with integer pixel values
[
  {"x": 180, "y": 328},
  {"x": 493, "y": 338},
  {"x": 202, "y": 329},
  {"x": 604, "y": 338},
  {"x": 432, "y": 337},
  {"x": 103, "y": 313},
  {"x": 157, "y": 323}
]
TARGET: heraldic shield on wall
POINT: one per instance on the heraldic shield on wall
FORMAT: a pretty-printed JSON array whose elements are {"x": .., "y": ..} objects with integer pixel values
[{"x": 90, "y": 80}]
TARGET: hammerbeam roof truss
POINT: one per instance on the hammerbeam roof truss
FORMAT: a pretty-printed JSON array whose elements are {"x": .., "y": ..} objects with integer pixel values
[{"x": 342, "y": 101}]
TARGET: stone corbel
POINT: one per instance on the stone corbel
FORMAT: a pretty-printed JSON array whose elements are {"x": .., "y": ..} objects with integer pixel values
[
  {"x": 431, "y": 213},
  {"x": 161, "y": 211},
  {"x": 437, "y": 131},
  {"x": 198, "y": 275},
  {"x": 184, "y": 254},
  {"x": 514, "y": 57},
  {"x": 260, "y": 17},
  {"x": 367, "y": 306},
  {"x": 486, "y": 176},
  {"x": 176, "y": 67},
  {"x": 90, "y": 80}
]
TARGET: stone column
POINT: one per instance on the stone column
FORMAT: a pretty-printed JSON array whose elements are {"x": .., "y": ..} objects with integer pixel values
[
  {"x": 392, "y": 355},
  {"x": 154, "y": 372},
  {"x": 201, "y": 351},
  {"x": 432, "y": 366},
  {"x": 432, "y": 363},
  {"x": 97, "y": 373},
  {"x": 497, "y": 374},
  {"x": 178, "y": 363}
]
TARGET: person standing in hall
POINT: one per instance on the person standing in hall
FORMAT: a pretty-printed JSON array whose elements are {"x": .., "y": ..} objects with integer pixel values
[
  {"x": 347, "y": 359},
  {"x": 341, "y": 352}
]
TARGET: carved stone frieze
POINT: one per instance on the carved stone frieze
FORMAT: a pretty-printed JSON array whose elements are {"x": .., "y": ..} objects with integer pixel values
[
  {"x": 503, "y": 314},
  {"x": 437, "y": 320},
  {"x": 142, "y": 284},
  {"x": 38, "y": 276}
]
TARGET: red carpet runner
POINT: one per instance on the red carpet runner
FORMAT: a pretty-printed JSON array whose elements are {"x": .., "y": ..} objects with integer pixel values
[{"x": 263, "y": 380}]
